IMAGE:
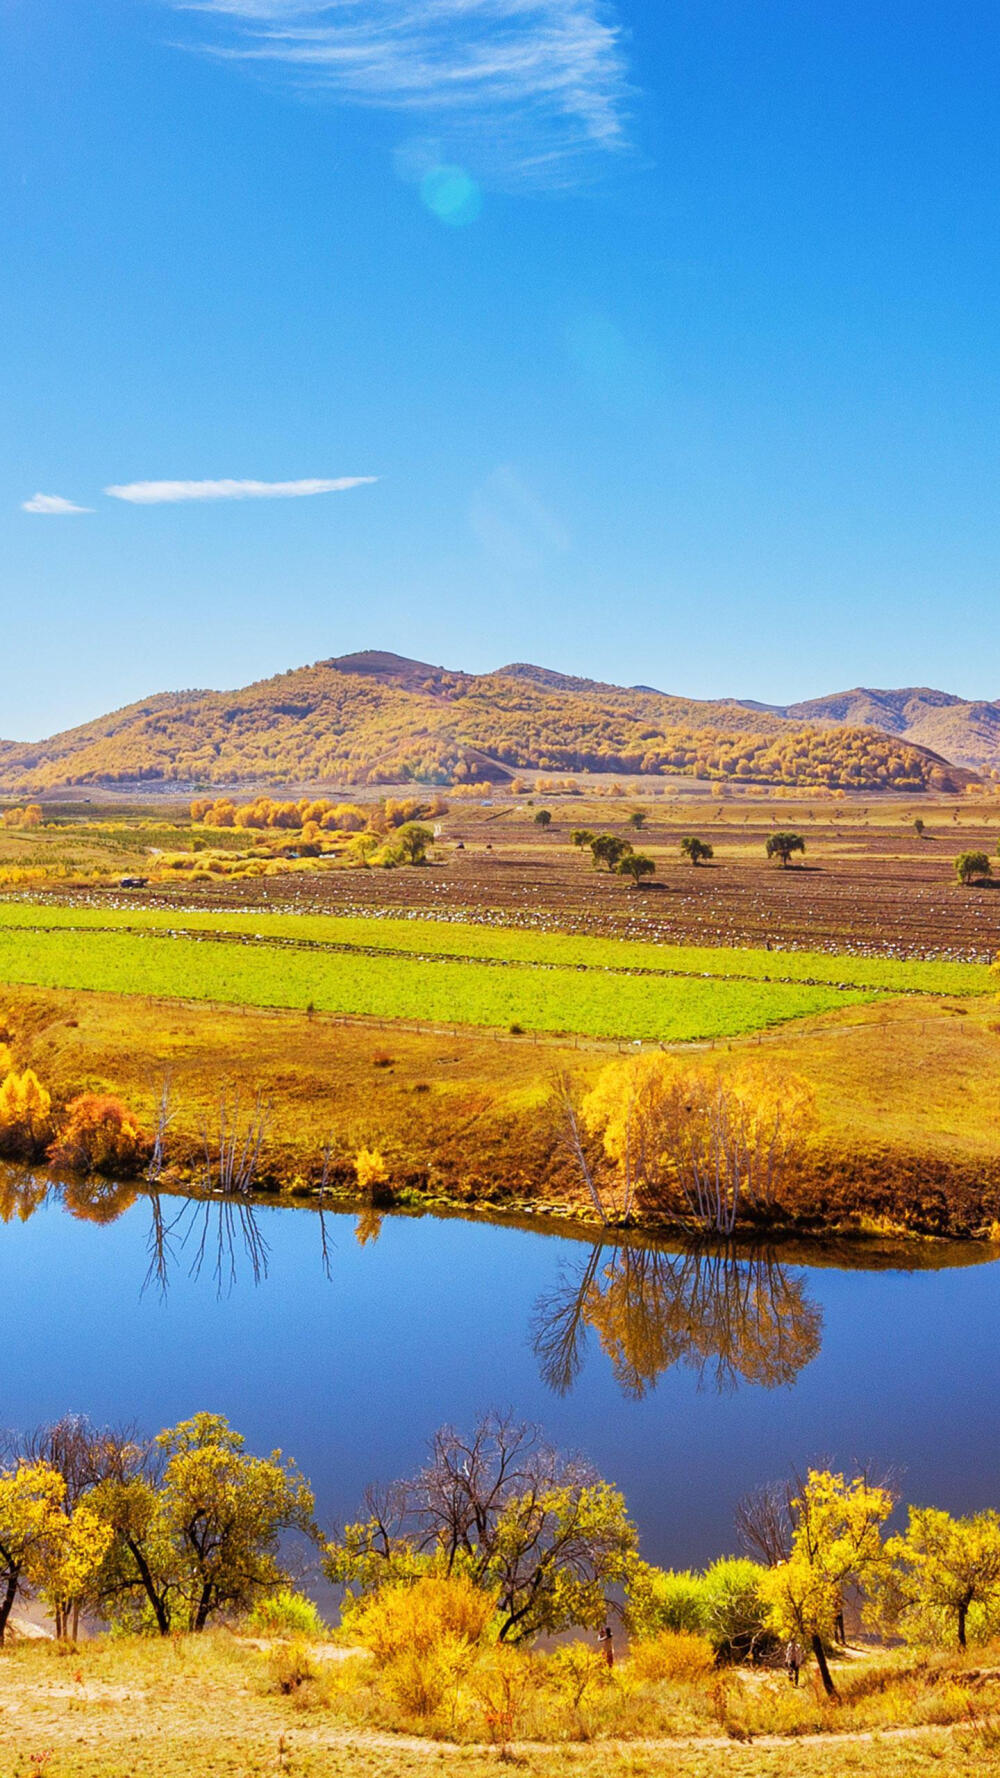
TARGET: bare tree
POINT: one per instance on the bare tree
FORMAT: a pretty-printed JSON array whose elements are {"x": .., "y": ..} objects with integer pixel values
[
  {"x": 612, "y": 1196},
  {"x": 233, "y": 1153},
  {"x": 765, "y": 1520},
  {"x": 540, "y": 1529}
]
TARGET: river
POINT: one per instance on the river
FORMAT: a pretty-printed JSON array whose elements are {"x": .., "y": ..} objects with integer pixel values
[{"x": 688, "y": 1379}]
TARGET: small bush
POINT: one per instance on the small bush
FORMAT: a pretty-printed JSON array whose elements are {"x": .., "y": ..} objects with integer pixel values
[
  {"x": 421, "y": 1616},
  {"x": 735, "y": 1614},
  {"x": 421, "y": 1681},
  {"x": 286, "y": 1614},
  {"x": 100, "y": 1135},
  {"x": 673, "y": 1655},
  {"x": 370, "y": 1169},
  {"x": 576, "y": 1669},
  {"x": 291, "y": 1668},
  {"x": 503, "y": 1681},
  {"x": 660, "y": 1599}
]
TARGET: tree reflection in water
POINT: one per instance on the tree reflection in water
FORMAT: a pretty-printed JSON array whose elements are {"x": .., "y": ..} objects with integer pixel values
[
  {"x": 218, "y": 1233},
  {"x": 732, "y": 1319}
]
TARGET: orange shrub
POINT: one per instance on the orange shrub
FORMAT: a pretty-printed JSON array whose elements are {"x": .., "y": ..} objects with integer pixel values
[{"x": 100, "y": 1135}]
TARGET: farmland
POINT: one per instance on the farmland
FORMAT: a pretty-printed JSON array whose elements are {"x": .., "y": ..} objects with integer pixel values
[
  {"x": 870, "y": 883},
  {"x": 590, "y": 1002},
  {"x": 866, "y": 965},
  {"x": 477, "y": 942}
]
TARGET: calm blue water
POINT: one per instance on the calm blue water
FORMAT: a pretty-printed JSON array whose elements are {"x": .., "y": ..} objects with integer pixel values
[{"x": 435, "y": 1321}]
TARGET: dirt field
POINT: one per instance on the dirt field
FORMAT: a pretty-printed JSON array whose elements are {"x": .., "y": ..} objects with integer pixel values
[{"x": 868, "y": 881}]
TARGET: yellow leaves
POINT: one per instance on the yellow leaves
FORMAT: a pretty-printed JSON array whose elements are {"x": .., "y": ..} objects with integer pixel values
[
  {"x": 946, "y": 1566},
  {"x": 416, "y": 1617},
  {"x": 30, "y": 1494},
  {"x": 837, "y": 1540},
  {"x": 69, "y": 1554},
  {"x": 25, "y": 1111},
  {"x": 100, "y": 1134},
  {"x": 707, "y": 1139},
  {"x": 370, "y": 1168},
  {"x": 326, "y": 726}
]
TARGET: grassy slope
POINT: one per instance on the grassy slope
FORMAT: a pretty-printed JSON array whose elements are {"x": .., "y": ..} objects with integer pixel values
[{"x": 906, "y": 1092}]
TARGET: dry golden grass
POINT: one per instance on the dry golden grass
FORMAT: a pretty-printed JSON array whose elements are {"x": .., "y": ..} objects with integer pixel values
[
  {"x": 190, "y": 1707},
  {"x": 459, "y": 1113}
]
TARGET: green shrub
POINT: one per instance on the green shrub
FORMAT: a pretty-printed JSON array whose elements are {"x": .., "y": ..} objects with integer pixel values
[
  {"x": 286, "y": 1614},
  {"x": 734, "y": 1609},
  {"x": 660, "y": 1599}
]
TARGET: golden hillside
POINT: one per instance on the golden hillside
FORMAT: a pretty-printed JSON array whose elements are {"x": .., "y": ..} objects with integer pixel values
[
  {"x": 965, "y": 731},
  {"x": 378, "y": 719}
]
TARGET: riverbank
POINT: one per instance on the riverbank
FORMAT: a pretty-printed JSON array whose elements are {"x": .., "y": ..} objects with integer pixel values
[{"x": 905, "y": 1141}]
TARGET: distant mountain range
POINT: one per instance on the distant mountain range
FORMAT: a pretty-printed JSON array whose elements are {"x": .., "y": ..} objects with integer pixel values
[
  {"x": 378, "y": 718},
  {"x": 963, "y": 731}
]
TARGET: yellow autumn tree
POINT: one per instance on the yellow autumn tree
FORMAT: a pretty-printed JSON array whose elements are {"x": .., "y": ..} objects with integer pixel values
[
  {"x": 65, "y": 1562},
  {"x": 700, "y": 1143},
  {"x": 836, "y": 1543},
  {"x": 25, "y": 1114},
  {"x": 944, "y": 1570},
  {"x": 370, "y": 1169},
  {"x": 31, "y": 1497}
]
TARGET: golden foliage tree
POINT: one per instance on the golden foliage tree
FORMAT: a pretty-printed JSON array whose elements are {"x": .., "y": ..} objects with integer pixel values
[
  {"x": 943, "y": 1569},
  {"x": 836, "y": 1542},
  {"x": 25, "y": 1115},
  {"x": 704, "y": 1145}
]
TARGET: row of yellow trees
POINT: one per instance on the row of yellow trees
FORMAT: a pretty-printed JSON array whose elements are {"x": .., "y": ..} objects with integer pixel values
[
  {"x": 160, "y": 1534},
  {"x": 316, "y": 813},
  {"x": 186, "y": 1528}
]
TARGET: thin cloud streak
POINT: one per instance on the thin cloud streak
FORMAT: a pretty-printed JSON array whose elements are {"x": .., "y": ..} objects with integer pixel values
[
  {"x": 165, "y": 493},
  {"x": 52, "y": 505},
  {"x": 534, "y": 86}
]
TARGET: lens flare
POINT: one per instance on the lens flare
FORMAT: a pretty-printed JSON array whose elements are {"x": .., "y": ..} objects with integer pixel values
[{"x": 452, "y": 195}]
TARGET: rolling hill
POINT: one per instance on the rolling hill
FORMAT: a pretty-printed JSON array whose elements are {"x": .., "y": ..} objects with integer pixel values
[
  {"x": 378, "y": 718},
  {"x": 964, "y": 731}
]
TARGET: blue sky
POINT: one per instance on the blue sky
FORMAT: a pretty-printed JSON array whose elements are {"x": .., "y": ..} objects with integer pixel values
[{"x": 669, "y": 331}]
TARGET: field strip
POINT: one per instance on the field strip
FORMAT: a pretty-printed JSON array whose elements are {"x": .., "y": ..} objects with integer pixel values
[
  {"x": 196, "y": 935},
  {"x": 555, "y": 999},
  {"x": 467, "y": 941}
]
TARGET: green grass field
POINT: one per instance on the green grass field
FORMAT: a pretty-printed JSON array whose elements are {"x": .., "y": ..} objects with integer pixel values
[
  {"x": 430, "y": 938},
  {"x": 593, "y": 1002},
  {"x": 173, "y": 957}
]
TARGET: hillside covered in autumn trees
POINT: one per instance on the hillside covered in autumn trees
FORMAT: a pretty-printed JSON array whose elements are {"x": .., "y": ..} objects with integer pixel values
[{"x": 379, "y": 719}]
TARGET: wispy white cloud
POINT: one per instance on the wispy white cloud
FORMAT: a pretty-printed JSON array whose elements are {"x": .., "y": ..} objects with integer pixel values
[
  {"x": 52, "y": 505},
  {"x": 525, "y": 87},
  {"x": 161, "y": 493}
]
